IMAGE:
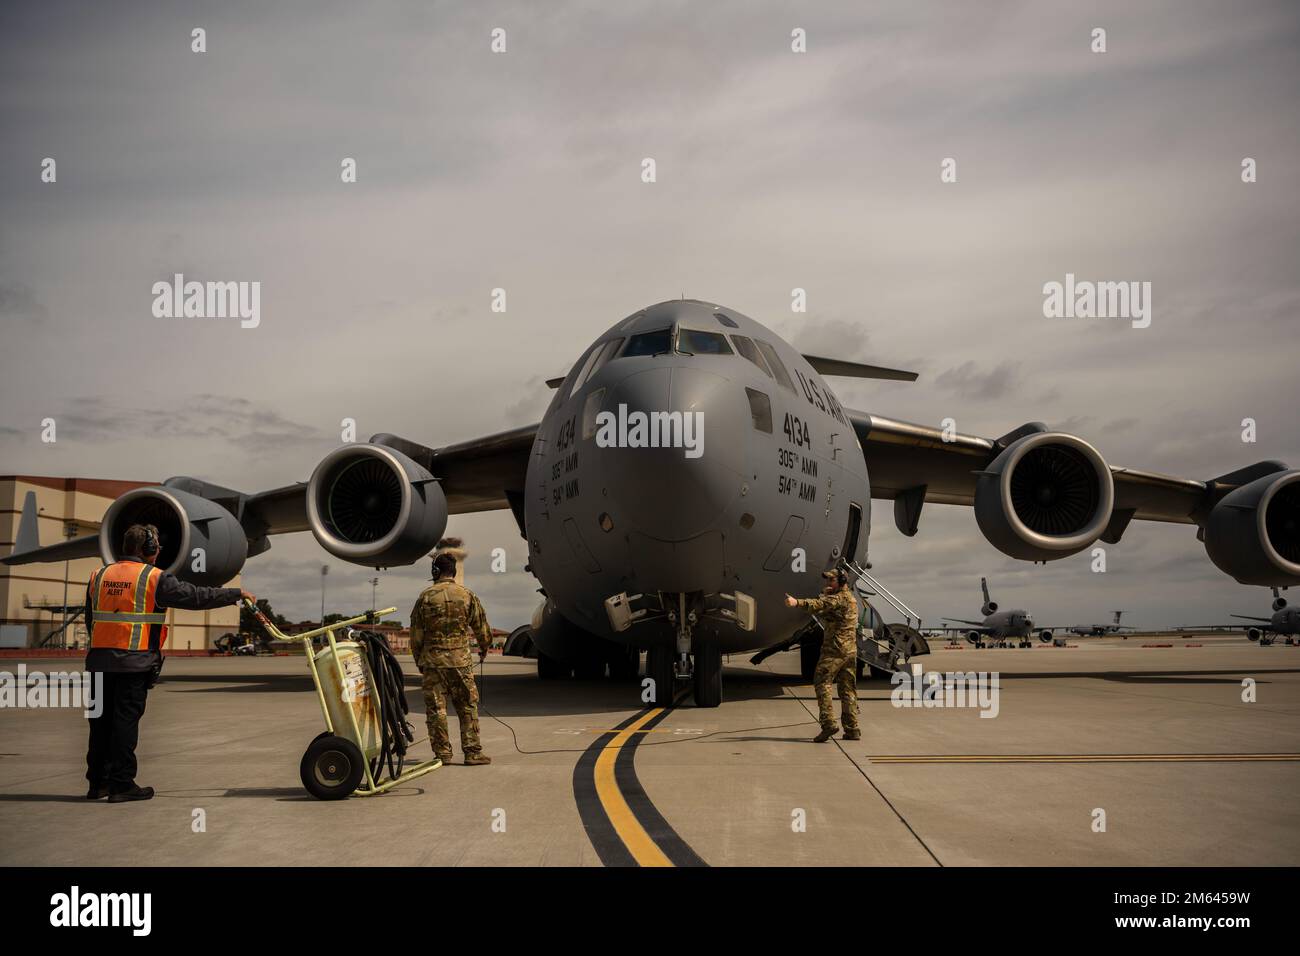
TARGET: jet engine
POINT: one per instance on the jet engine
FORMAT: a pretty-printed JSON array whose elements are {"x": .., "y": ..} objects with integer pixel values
[
  {"x": 1045, "y": 636},
  {"x": 989, "y": 608},
  {"x": 1253, "y": 534},
  {"x": 972, "y": 637},
  {"x": 1279, "y": 603},
  {"x": 202, "y": 542},
  {"x": 1253, "y": 634},
  {"x": 1047, "y": 496},
  {"x": 372, "y": 505}
]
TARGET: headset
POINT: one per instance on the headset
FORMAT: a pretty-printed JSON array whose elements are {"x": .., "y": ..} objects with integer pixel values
[{"x": 151, "y": 545}]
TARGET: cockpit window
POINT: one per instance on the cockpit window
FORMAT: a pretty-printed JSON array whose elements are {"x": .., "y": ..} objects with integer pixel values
[
  {"x": 595, "y": 361},
  {"x": 699, "y": 342},
  {"x": 745, "y": 346},
  {"x": 650, "y": 343},
  {"x": 778, "y": 367}
]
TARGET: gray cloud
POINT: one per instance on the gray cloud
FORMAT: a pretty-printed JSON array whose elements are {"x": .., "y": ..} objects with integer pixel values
[
  {"x": 776, "y": 171},
  {"x": 18, "y": 301},
  {"x": 969, "y": 380}
]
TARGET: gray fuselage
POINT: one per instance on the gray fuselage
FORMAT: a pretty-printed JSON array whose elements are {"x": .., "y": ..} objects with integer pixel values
[{"x": 762, "y": 502}]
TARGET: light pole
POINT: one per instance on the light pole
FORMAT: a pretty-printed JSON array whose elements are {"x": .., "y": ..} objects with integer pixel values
[
  {"x": 69, "y": 532},
  {"x": 324, "y": 570},
  {"x": 374, "y": 585}
]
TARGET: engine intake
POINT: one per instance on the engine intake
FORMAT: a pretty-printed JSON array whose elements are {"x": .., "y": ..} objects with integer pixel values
[
  {"x": 202, "y": 542},
  {"x": 1047, "y": 496},
  {"x": 372, "y": 505},
  {"x": 1253, "y": 534}
]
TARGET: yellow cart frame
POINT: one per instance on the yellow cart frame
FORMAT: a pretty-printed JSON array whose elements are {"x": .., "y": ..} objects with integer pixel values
[{"x": 369, "y": 785}]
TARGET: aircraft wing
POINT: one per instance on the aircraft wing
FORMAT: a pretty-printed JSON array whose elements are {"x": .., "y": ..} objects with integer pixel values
[
  {"x": 476, "y": 475},
  {"x": 906, "y": 459},
  {"x": 959, "y": 620},
  {"x": 1266, "y": 620},
  {"x": 482, "y": 474},
  {"x": 87, "y": 546}
]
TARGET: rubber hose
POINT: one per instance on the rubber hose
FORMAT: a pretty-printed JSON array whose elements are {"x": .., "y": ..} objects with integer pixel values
[{"x": 390, "y": 696}]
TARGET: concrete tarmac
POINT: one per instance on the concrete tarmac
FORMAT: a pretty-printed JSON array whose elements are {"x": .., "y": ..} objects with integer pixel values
[{"x": 1102, "y": 753}]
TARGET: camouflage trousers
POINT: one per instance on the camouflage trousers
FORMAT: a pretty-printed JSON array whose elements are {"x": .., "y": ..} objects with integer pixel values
[
  {"x": 842, "y": 672},
  {"x": 457, "y": 685}
]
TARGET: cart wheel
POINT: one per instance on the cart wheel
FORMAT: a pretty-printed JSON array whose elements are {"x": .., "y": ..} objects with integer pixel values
[{"x": 332, "y": 767}]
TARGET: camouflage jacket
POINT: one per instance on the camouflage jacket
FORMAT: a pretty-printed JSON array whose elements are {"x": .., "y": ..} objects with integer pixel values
[
  {"x": 445, "y": 620},
  {"x": 838, "y": 612}
]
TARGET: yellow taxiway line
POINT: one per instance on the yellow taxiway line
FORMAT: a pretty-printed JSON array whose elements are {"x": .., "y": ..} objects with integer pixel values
[{"x": 629, "y": 829}]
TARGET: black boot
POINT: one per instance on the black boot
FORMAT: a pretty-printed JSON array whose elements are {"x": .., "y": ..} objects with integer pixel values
[
  {"x": 135, "y": 793},
  {"x": 829, "y": 731}
]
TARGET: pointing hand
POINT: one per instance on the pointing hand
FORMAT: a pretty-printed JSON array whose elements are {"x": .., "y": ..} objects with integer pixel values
[{"x": 790, "y": 602}]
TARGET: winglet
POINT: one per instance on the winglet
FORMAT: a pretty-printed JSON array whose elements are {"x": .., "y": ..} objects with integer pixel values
[{"x": 28, "y": 537}]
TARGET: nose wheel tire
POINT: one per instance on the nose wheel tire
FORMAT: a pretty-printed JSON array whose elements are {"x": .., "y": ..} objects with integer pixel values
[
  {"x": 659, "y": 668},
  {"x": 332, "y": 767},
  {"x": 708, "y": 676}
]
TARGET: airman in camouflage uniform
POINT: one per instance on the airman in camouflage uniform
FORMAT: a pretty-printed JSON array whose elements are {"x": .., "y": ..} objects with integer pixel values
[
  {"x": 445, "y": 619},
  {"x": 837, "y": 609}
]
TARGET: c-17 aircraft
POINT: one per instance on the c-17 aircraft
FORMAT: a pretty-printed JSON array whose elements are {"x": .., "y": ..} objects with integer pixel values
[
  {"x": 691, "y": 469},
  {"x": 1285, "y": 622},
  {"x": 998, "y": 628},
  {"x": 1096, "y": 630},
  {"x": 1087, "y": 630}
]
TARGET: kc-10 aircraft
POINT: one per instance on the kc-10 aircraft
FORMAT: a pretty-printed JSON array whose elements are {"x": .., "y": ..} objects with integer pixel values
[
  {"x": 998, "y": 628},
  {"x": 1285, "y": 622},
  {"x": 690, "y": 470}
]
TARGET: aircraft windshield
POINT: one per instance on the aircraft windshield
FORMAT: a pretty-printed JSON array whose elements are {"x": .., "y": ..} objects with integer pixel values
[
  {"x": 698, "y": 342},
  {"x": 650, "y": 343}
]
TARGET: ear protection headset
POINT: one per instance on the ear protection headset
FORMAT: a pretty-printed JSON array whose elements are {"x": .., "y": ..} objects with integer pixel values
[{"x": 151, "y": 545}]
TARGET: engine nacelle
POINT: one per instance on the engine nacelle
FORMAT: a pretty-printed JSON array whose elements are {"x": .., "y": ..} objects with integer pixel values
[
  {"x": 1253, "y": 634},
  {"x": 202, "y": 542},
  {"x": 989, "y": 608},
  {"x": 1279, "y": 603},
  {"x": 372, "y": 505},
  {"x": 972, "y": 637},
  {"x": 1048, "y": 495},
  {"x": 1253, "y": 534}
]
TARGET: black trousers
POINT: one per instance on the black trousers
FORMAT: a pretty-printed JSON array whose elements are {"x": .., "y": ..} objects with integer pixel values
[{"x": 110, "y": 761}]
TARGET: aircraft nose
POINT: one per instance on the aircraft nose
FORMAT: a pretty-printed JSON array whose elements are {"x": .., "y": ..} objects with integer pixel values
[{"x": 677, "y": 459}]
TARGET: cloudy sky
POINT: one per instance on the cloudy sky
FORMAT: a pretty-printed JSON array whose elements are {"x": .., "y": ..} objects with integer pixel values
[{"x": 776, "y": 170}]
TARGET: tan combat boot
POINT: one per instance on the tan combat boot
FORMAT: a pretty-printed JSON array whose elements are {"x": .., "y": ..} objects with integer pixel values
[
  {"x": 477, "y": 760},
  {"x": 853, "y": 734},
  {"x": 829, "y": 731},
  {"x": 445, "y": 758}
]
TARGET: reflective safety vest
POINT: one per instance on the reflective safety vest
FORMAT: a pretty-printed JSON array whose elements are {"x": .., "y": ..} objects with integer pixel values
[{"x": 124, "y": 608}]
